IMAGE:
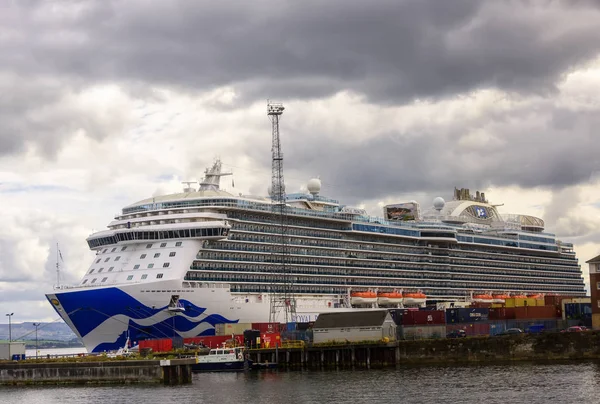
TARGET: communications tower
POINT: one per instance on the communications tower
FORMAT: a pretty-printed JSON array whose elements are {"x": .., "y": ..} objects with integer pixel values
[{"x": 281, "y": 298}]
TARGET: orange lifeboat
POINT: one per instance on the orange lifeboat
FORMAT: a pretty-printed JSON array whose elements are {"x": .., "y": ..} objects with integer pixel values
[
  {"x": 535, "y": 296},
  {"x": 483, "y": 298},
  {"x": 363, "y": 297},
  {"x": 519, "y": 296},
  {"x": 389, "y": 298},
  {"x": 501, "y": 298},
  {"x": 415, "y": 298}
]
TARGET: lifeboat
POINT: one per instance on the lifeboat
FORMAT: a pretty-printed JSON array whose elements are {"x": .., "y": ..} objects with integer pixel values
[
  {"x": 389, "y": 298},
  {"x": 519, "y": 296},
  {"x": 414, "y": 298},
  {"x": 483, "y": 298},
  {"x": 363, "y": 298},
  {"x": 500, "y": 298},
  {"x": 535, "y": 296}
]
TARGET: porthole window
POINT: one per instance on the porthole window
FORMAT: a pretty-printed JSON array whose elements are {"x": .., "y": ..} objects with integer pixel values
[
  {"x": 136, "y": 266},
  {"x": 172, "y": 254},
  {"x": 148, "y": 245},
  {"x": 156, "y": 255},
  {"x": 130, "y": 277},
  {"x": 163, "y": 244},
  {"x": 166, "y": 265}
]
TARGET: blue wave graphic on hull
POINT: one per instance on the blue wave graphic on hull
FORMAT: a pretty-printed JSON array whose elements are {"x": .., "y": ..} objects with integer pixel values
[{"x": 88, "y": 309}]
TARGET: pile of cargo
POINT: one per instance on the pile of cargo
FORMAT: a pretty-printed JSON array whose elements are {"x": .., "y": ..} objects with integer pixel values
[{"x": 547, "y": 314}]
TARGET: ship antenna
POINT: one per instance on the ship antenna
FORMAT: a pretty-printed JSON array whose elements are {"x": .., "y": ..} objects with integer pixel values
[
  {"x": 282, "y": 298},
  {"x": 58, "y": 254}
]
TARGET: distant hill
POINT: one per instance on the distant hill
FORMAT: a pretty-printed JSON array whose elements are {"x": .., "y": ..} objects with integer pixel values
[{"x": 57, "y": 331}]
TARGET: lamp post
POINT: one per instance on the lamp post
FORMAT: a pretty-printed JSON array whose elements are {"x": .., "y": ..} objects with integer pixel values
[
  {"x": 9, "y": 315},
  {"x": 36, "y": 325}
]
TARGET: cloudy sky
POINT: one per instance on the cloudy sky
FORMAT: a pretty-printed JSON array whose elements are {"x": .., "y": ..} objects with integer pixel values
[{"x": 103, "y": 103}]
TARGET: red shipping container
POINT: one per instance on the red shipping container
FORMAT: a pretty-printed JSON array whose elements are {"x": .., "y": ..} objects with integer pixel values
[
  {"x": 502, "y": 313},
  {"x": 471, "y": 329},
  {"x": 535, "y": 312},
  {"x": 270, "y": 339},
  {"x": 424, "y": 317},
  {"x": 265, "y": 327}
]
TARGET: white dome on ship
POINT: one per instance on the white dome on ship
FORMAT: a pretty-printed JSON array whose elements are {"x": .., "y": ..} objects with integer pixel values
[
  {"x": 314, "y": 186},
  {"x": 439, "y": 203}
]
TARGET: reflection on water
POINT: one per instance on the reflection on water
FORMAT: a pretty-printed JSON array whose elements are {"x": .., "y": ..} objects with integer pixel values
[{"x": 519, "y": 383}]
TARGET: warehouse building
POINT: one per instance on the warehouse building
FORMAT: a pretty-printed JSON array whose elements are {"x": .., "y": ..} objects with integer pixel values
[{"x": 355, "y": 326}]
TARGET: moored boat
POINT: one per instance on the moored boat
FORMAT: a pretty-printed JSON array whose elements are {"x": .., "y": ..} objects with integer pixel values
[
  {"x": 500, "y": 298},
  {"x": 223, "y": 360}
]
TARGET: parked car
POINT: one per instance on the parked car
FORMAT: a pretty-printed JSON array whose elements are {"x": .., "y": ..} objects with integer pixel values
[
  {"x": 575, "y": 328},
  {"x": 456, "y": 334},
  {"x": 511, "y": 331}
]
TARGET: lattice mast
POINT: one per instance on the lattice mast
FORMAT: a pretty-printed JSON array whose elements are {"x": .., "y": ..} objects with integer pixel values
[{"x": 282, "y": 299}]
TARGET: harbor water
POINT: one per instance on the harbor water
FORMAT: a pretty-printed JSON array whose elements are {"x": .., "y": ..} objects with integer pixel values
[{"x": 514, "y": 383}]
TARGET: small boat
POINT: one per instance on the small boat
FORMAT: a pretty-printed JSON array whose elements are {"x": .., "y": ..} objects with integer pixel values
[
  {"x": 535, "y": 296},
  {"x": 363, "y": 297},
  {"x": 223, "y": 360},
  {"x": 389, "y": 298},
  {"x": 520, "y": 296},
  {"x": 414, "y": 298},
  {"x": 501, "y": 298},
  {"x": 483, "y": 298}
]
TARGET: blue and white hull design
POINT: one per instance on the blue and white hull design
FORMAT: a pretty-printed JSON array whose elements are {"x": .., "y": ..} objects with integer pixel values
[{"x": 104, "y": 317}]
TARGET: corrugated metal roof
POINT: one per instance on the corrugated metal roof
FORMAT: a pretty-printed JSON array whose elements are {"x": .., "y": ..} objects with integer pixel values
[
  {"x": 367, "y": 318},
  {"x": 594, "y": 260}
]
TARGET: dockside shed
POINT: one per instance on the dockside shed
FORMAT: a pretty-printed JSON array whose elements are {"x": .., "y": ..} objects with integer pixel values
[{"x": 354, "y": 326}]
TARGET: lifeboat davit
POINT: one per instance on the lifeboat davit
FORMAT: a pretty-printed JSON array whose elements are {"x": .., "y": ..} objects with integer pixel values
[
  {"x": 389, "y": 298},
  {"x": 414, "y": 298},
  {"x": 483, "y": 298},
  {"x": 500, "y": 298},
  {"x": 363, "y": 297}
]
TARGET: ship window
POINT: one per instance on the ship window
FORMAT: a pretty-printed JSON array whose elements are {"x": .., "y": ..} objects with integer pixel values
[
  {"x": 150, "y": 265},
  {"x": 172, "y": 254},
  {"x": 117, "y": 258},
  {"x": 114, "y": 249},
  {"x": 130, "y": 277},
  {"x": 156, "y": 255},
  {"x": 106, "y": 260},
  {"x": 94, "y": 280},
  {"x": 92, "y": 270},
  {"x": 158, "y": 276},
  {"x": 98, "y": 260},
  {"x": 148, "y": 245},
  {"x": 178, "y": 244},
  {"x": 124, "y": 248},
  {"x": 100, "y": 270},
  {"x": 84, "y": 282},
  {"x": 142, "y": 256},
  {"x": 136, "y": 266},
  {"x": 110, "y": 269},
  {"x": 166, "y": 265},
  {"x": 104, "y": 250},
  {"x": 598, "y": 285},
  {"x": 144, "y": 276},
  {"x": 104, "y": 279},
  {"x": 163, "y": 244}
]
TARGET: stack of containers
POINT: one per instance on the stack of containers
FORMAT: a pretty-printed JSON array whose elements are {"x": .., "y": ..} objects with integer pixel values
[
  {"x": 422, "y": 324},
  {"x": 498, "y": 318},
  {"x": 232, "y": 328},
  {"x": 474, "y": 321}
]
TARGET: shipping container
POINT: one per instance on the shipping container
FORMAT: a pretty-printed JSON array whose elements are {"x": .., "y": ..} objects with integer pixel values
[
  {"x": 15, "y": 348},
  {"x": 270, "y": 340},
  {"x": 496, "y": 327},
  {"x": 535, "y": 312},
  {"x": 504, "y": 313},
  {"x": 290, "y": 327},
  {"x": 471, "y": 329},
  {"x": 411, "y": 332},
  {"x": 577, "y": 311},
  {"x": 265, "y": 327},
  {"x": 473, "y": 315},
  {"x": 232, "y": 328},
  {"x": 423, "y": 317},
  {"x": 252, "y": 338},
  {"x": 304, "y": 326},
  {"x": 451, "y": 316},
  {"x": 214, "y": 341}
]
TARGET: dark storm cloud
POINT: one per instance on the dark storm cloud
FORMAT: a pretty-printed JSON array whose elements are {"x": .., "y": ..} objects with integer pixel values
[{"x": 391, "y": 51}]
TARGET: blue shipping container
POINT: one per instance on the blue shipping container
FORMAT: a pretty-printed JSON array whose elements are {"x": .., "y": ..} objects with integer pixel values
[
  {"x": 473, "y": 315},
  {"x": 451, "y": 316}
]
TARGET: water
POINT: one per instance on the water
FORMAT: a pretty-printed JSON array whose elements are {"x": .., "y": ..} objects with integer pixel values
[{"x": 519, "y": 383}]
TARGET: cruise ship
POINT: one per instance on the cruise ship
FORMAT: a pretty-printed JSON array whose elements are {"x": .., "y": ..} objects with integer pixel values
[{"x": 177, "y": 265}]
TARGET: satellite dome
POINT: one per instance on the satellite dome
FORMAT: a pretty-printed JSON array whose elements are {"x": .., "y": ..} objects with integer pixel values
[
  {"x": 314, "y": 186},
  {"x": 270, "y": 190},
  {"x": 439, "y": 203}
]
